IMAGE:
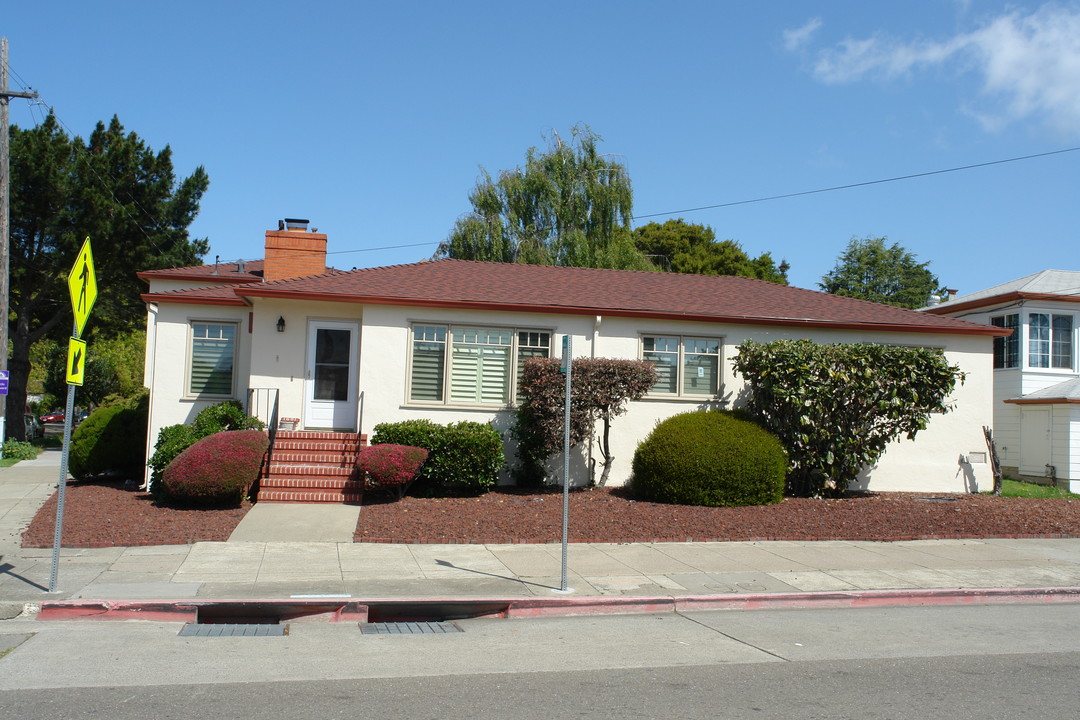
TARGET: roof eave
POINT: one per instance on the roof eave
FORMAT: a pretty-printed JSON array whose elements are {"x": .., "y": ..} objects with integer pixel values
[
  {"x": 1044, "y": 401},
  {"x": 948, "y": 308},
  {"x": 193, "y": 300}
]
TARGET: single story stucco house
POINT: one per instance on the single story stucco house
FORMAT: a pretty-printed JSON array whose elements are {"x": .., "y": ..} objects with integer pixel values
[{"x": 445, "y": 339}]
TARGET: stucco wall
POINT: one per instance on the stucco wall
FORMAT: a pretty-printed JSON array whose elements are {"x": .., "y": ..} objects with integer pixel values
[
  {"x": 935, "y": 461},
  {"x": 169, "y": 327},
  {"x": 279, "y": 360}
]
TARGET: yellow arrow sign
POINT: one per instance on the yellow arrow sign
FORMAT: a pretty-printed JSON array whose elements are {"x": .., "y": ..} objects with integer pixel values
[
  {"x": 76, "y": 361},
  {"x": 82, "y": 286}
]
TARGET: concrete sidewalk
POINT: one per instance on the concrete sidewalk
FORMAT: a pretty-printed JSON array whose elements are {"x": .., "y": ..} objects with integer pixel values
[{"x": 252, "y": 569}]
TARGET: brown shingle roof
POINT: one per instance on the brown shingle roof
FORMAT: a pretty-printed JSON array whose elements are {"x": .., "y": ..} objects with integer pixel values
[
  {"x": 221, "y": 273},
  {"x": 211, "y": 295},
  {"x": 587, "y": 291}
]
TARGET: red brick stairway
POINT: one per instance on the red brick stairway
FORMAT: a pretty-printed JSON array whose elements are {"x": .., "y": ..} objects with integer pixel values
[{"x": 312, "y": 467}]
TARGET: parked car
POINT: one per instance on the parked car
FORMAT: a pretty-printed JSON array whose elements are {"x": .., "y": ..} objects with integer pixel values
[
  {"x": 54, "y": 417},
  {"x": 34, "y": 430}
]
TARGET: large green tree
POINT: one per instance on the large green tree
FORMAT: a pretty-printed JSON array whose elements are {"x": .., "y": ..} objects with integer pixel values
[
  {"x": 678, "y": 246},
  {"x": 569, "y": 205},
  {"x": 111, "y": 188},
  {"x": 871, "y": 270}
]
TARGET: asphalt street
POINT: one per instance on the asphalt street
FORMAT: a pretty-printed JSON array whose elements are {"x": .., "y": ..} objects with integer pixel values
[{"x": 897, "y": 662}]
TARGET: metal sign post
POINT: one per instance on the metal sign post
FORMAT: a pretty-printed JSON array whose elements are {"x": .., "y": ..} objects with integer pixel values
[
  {"x": 3, "y": 415},
  {"x": 82, "y": 287},
  {"x": 567, "y": 367}
]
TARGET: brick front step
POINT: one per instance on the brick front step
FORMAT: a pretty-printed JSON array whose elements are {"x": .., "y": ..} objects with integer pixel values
[
  {"x": 308, "y": 496},
  {"x": 309, "y": 436},
  {"x": 299, "y": 483},
  {"x": 312, "y": 466},
  {"x": 312, "y": 471},
  {"x": 314, "y": 458}
]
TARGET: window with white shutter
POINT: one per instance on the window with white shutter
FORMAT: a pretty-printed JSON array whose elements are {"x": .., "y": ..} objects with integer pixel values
[{"x": 213, "y": 357}]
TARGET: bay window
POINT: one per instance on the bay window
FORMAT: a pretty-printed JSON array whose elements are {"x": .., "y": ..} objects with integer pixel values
[{"x": 1050, "y": 341}]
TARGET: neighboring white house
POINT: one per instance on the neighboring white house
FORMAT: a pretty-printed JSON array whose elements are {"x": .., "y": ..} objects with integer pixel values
[
  {"x": 1036, "y": 372},
  {"x": 445, "y": 340}
]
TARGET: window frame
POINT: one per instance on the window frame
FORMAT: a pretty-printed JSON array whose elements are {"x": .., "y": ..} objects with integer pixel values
[
  {"x": 1054, "y": 338},
  {"x": 446, "y": 382},
  {"x": 1007, "y": 347},
  {"x": 681, "y": 364},
  {"x": 189, "y": 390}
]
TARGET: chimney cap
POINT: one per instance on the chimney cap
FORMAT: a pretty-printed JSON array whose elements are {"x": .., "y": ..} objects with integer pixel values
[{"x": 296, "y": 224}]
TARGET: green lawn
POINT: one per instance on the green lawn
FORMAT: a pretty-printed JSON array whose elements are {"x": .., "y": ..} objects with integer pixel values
[{"x": 1015, "y": 488}]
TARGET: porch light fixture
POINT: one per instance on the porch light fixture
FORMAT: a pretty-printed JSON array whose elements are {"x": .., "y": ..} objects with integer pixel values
[{"x": 280, "y": 324}]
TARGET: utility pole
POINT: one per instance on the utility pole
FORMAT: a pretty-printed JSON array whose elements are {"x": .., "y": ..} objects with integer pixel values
[{"x": 5, "y": 190}]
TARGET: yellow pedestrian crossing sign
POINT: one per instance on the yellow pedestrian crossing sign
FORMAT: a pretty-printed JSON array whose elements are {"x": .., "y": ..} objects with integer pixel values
[
  {"x": 76, "y": 361},
  {"x": 82, "y": 285}
]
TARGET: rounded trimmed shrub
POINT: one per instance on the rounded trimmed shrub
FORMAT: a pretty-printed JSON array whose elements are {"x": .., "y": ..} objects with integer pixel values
[
  {"x": 217, "y": 470},
  {"x": 464, "y": 458},
  {"x": 111, "y": 439},
  {"x": 174, "y": 439},
  {"x": 709, "y": 458},
  {"x": 391, "y": 467}
]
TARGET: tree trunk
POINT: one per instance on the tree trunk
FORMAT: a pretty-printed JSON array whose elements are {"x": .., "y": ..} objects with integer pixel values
[{"x": 605, "y": 453}]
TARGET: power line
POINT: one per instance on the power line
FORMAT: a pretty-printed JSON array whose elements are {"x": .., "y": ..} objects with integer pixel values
[
  {"x": 385, "y": 247},
  {"x": 860, "y": 184}
]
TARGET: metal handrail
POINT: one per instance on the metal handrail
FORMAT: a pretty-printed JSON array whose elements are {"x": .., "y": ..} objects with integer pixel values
[{"x": 259, "y": 400}]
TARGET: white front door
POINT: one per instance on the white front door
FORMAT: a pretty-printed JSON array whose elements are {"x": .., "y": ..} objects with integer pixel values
[{"x": 330, "y": 393}]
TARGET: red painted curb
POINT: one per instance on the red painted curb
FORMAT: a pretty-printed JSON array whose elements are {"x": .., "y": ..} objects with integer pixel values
[{"x": 359, "y": 610}]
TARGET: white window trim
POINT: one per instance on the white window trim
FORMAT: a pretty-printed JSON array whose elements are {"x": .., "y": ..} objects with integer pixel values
[
  {"x": 1026, "y": 343},
  {"x": 449, "y": 327},
  {"x": 679, "y": 379},
  {"x": 191, "y": 323}
]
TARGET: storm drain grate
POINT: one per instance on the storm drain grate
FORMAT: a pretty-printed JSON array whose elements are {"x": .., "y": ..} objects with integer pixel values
[
  {"x": 231, "y": 630},
  {"x": 408, "y": 628}
]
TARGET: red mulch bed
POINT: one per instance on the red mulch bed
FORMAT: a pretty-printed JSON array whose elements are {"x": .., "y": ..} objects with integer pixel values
[
  {"x": 101, "y": 514},
  {"x": 609, "y": 515},
  {"x": 105, "y": 514}
]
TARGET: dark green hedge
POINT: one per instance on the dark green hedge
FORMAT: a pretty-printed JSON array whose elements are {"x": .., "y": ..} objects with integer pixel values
[
  {"x": 709, "y": 458},
  {"x": 110, "y": 440},
  {"x": 464, "y": 458}
]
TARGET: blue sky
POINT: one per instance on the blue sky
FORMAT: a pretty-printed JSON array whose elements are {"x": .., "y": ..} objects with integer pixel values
[{"x": 374, "y": 119}]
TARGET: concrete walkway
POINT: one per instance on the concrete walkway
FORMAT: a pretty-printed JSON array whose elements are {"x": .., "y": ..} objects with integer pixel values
[{"x": 283, "y": 567}]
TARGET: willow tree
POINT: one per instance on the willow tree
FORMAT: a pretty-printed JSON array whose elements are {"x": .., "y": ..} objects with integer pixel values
[
  {"x": 568, "y": 205},
  {"x": 112, "y": 188}
]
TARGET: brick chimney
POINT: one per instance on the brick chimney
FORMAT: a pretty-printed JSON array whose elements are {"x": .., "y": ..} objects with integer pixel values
[{"x": 292, "y": 251}]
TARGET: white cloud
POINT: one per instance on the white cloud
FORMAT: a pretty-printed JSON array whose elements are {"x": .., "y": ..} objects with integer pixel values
[
  {"x": 797, "y": 38},
  {"x": 1029, "y": 64}
]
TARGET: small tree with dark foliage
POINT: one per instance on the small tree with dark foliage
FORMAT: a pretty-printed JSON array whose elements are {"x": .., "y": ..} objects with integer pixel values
[
  {"x": 836, "y": 407},
  {"x": 600, "y": 390}
]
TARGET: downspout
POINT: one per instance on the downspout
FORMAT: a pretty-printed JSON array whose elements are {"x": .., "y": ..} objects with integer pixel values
[
  {"x": 595, "y": 340},
  {"x": 150, "y": 364}
]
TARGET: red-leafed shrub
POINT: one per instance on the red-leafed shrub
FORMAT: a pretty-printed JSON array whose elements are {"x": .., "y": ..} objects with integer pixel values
[
  {"x": 391, "y": 466},
  {"x": 218, "y": 469}
]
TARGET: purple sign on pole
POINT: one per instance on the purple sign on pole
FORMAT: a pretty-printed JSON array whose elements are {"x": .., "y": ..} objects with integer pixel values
[{"x": 3, "y": 382}]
